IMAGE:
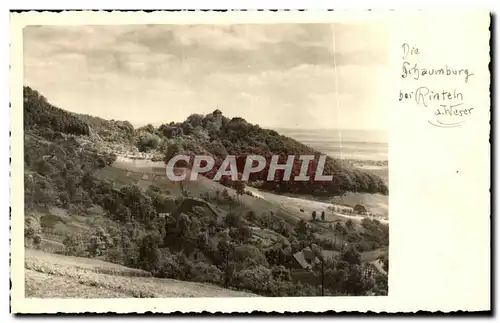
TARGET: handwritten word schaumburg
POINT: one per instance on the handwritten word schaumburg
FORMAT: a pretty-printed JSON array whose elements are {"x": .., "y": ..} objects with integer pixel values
[{"x": 417, "y": 72}]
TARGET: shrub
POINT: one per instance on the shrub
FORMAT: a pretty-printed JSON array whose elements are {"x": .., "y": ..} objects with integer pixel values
[
  {"x": 148, "y": 141},
  {"x": 258, "y": 279},
  {"x": 242, "y": 234},
  {"x": 37, "y": 240},
  {"x": 148, "y": 252},
  {"x": 100, "y": 241},
  {"x": 351, "y": 256},
  {"x": 205, "y": 273},
  {"x": 246, "y": 256},
  {"x": 251, "y": 216},
  {"x": 168, "y": 267},
  {"x": 232, "y": 220},
  {"x": 74, "y": 246},
  {"x": 281, "y": 273},
  {"x": 32, "y": 228}
]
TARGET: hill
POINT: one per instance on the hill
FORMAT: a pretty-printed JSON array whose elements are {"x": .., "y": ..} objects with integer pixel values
[
  {"x": 55, "y": 276},
  {"x": 83, "y": 201},
  {"x": 218, "y": 136},
  {"x": 212, "y": 134},
  {"x": 38, "y": 113}
]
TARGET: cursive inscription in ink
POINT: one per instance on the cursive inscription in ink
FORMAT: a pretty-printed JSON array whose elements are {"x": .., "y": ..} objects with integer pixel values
[{"x": 447, "y": 104}]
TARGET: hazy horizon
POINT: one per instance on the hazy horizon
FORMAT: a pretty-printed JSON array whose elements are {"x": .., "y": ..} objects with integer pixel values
[
  {"x": 274, "y": 127},
  {"x": 299, "y": 76}
]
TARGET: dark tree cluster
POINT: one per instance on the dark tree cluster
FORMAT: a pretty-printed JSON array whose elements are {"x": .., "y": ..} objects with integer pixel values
[
  {"x": 184, "y": 238},
  {"x": 219, "y": 136},
  {"x": 40, "y": 113}
]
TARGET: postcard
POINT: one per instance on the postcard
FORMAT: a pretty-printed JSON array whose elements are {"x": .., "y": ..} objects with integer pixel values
[{"x": 242, "y": 161}]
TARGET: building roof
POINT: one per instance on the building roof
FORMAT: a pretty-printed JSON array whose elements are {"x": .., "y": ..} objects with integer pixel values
[
  {"x": 301, "y": 260},
  {"x": 302, "y": 256}
]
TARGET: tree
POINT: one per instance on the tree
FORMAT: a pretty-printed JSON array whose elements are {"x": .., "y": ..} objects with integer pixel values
[
  {"x": 227, "y": 198},
  {"x": 187, "y": 128},
  {"x": 278, "y": 254},
  {"x": 343, "y": 233},
  {"x": 257, "y": 279},
  {"x": 217, "y": 196},
  {"x": 148, "y": 141},
  {"x": 360, "y": 209},
  {"x": 337, "y": 231},
  {"x": 100, "y": 241},
  {"x": 73, "y": 246},
  {"x": 32, "y": 228},
  {"x": 226, "y": 249},
  {"x": 354, "y": 284},
  {"x": 232, "y": 220},
  {"x": 246, "y": 256},
  {"x": 322, "y": 215},
  {"x": 149, "y": 253},
  {"x": 349, "y": 225},
  {"x": 37, "y": 240},
  {"x": 173, "y": 149},
  {"x": 352, "y": 256},
  {"x": 251, "y": 216},
  {"x": 281, "y": 273},
  {"x": 195, "y": 120},
  {"x": 302, "y": 230},
  {"x": 242, "y": 234},
  {"x": 314, "y": 215},
  {"x": 239, "y": 186}
]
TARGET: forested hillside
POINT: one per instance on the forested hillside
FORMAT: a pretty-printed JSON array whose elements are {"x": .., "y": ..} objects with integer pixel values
[
  {"x": 40, "y": 114},
  {"x": 219, "y": 136},
  {"x": 214, "y": 239}
]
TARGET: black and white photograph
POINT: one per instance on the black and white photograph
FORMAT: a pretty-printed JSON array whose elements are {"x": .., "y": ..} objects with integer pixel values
[
  {"x": 243, "y": 161},
  {"x": 107, "y": 109}
]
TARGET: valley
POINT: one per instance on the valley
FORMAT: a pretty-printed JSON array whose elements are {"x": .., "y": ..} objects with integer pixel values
[{"x": 97, "y": 189}]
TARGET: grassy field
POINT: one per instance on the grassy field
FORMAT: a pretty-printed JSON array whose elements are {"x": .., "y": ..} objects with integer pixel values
[
  {"x": 55, "y": 276},
  {"x": 290, "y": 209},
  {"x": 131, "y": 172},
  {"x": 123, "y": 174},
  {"x": 58, "y": 223},
  {"x": 375, "y": 203}
]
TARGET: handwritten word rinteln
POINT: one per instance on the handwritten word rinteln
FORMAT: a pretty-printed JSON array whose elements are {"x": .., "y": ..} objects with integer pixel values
[
  {"x": 423, "y": 95},
  {"x": 417, "y": 72}
]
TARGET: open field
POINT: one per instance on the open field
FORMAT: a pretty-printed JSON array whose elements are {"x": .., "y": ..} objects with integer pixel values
[
  {"x": 375, "y": 203},
  {"x": 57, "y": 223},
  {"x": 145, "y": 173},
  {"x": 55, "y": 276},
  {"x": 294, "y": 204}
]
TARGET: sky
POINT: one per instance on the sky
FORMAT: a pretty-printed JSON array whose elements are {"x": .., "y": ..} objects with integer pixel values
[{"x": 275, "y": 75}]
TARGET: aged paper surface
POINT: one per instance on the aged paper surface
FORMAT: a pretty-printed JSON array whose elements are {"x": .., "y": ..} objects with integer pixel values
[{"x": 438, "y": 130}]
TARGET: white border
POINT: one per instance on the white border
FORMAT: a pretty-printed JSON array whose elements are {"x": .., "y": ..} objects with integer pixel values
[{"x": 144, "y": 4}]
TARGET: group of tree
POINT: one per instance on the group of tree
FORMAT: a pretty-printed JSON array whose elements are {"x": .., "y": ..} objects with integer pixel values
[
  {"x": 188, "y": 245},
  {"x": 218, "y": 136},
  {"x": 40, "y": 113}
]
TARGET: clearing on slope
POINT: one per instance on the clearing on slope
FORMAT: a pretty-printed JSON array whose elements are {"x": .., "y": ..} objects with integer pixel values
[{"x": 55, "y": 276}]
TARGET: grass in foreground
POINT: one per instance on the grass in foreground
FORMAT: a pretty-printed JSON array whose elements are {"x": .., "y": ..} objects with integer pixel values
[{"x": 56, "y": 276}]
